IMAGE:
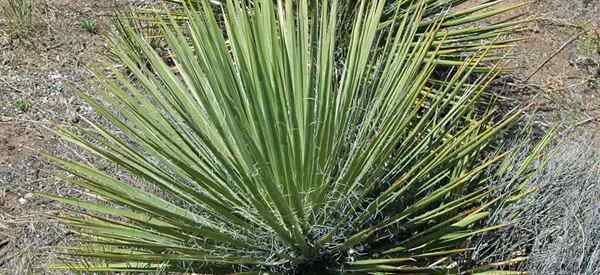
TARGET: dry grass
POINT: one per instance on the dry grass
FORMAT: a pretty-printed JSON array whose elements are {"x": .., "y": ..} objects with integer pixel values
[
  {"x": 42, "y": 69},
  {"x": 19, "y": 16}
]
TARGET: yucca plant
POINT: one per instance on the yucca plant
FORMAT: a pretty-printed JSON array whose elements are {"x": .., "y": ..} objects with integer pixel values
[{"x": 257, "y": 152}]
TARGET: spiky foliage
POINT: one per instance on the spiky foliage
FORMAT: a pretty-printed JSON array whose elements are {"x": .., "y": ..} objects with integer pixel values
[
  {"x": 464, "y": 28},
  {"x": 257, "y": 153}
]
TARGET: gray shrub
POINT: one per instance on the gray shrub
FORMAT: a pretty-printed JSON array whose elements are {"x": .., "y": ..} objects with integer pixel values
[{"x": 558, "y": 224}]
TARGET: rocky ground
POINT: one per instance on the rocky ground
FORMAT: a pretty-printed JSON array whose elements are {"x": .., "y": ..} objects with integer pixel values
[{"x": 557, "y": 70}]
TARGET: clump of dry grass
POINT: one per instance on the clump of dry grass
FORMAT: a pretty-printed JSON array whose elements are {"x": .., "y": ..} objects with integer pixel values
[
  {"x": 27, "y": 243},
  {"x": 19, "y": 15}
]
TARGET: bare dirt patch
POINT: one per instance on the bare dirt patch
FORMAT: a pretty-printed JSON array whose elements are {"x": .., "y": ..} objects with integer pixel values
[
  {"x": 557, "y": 65},
  {"x": 13, "y": 141},
  {"x": 559, "y": 62}
]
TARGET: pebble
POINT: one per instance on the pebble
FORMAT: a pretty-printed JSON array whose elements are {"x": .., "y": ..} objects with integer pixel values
[
  {"x": 28, "y": 196},
  {"x": 22, "y": 201}
]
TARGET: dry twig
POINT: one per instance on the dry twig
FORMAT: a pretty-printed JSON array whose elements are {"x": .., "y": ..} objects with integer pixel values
[
  {"x": 12, "y": 86},
  {"x": 554, "y": 54}
]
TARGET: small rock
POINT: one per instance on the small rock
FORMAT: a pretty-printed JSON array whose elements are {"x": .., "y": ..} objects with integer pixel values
[
  {"x": 28, "y": 196},
  {"x": 55, "y": 76},
  {"x": 22, "y": 201}
]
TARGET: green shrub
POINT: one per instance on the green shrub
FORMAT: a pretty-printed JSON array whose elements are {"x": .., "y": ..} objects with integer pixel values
[
  {"x": 259, "y": 152},
  {"x": 88, "y": 25},
  {"x": 23, "y": 105}
]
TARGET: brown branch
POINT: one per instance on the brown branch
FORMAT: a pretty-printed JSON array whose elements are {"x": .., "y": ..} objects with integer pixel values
[{"x": 553, "y": 55}]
